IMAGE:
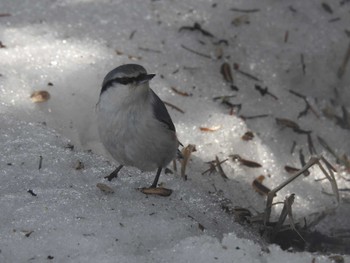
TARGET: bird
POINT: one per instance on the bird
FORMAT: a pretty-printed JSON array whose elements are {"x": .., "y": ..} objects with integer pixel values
[{"x": 134, "y": 124}]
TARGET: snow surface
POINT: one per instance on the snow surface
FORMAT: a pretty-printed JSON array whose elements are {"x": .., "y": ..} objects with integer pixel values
[{"x": 73, "y": 44}]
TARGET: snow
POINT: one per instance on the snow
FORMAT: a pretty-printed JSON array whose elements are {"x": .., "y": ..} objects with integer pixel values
[{"x": 67, "y": 47}]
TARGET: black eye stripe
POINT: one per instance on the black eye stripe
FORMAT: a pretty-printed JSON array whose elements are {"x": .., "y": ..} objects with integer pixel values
[{"x": 123, "y": 81}]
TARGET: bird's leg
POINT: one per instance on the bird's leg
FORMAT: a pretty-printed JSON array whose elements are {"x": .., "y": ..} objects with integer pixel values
[
  {"x": 154, "y": 190},
  {"x": 155, "y": 182},
  {"x": 114, "y": 174}
]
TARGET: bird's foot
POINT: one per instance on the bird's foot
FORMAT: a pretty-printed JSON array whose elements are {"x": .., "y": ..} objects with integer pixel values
[
  {"x": 114, "y": 174},
  {"x": 156, "y": 191}
]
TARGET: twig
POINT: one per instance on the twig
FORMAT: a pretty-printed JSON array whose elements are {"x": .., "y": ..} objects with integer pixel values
[
  {"x": 182, "y": 93},
  {"x": 342, "y": 68},
  {"x": 40, "y": 162},
  {"x": 149, "y": 50},
  {"x": 259, "y": 187},
  {"x": 132, "y": 34},
  {"x": 254, "y": 117},
  {"x": 303, "y": 63},
  {"x": 248, "y": 75},
  {"x": 245, "y": 162},
  {"x": 286, "y": 36},
  {"x": 327, "y": 8},
  {"x": 293, "y": 147},
  {"x": 218, "y": 165},
  {"x": 302, "y": 161},
  {"x": 312, "y": 149},
  {"x": 173, "y": 106},
  {"x": 254, "y": 10},
  {"x": 213, "y": 165},
  {"x": 197, "y": 27},
  {"x": 264, "y": 91},
  {"x": 196, "y": 52},
  {"x": 308, "y": 106}
]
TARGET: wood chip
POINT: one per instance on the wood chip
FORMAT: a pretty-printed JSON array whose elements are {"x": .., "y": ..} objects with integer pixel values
[
  {"x": 40, "y": 96},
  {"x": 290, "y": 169},
  {"x": 259, "y": 187},
  {"x": 226, "y": 72},
  {"x": 79, "y": 165},
  {"x": 186, "y": 153},
  {"x": 245, "y": 162},
  {"x": 105, "y": 188},
  {"x": 248, "y": 136},
  {"x": 182, "y": 93},
  {"x": 161, "y": 191},
  {"x": 210, "y": 129}
]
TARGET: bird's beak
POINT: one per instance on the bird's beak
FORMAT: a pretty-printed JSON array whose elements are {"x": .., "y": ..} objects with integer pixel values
[{"x": 147, "y": 78}]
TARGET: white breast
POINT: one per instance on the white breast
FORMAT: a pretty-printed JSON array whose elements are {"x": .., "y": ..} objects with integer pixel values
[{"x": 129, "y": 130}]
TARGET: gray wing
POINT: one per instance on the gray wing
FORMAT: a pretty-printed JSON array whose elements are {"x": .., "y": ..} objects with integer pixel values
[{"x": 160, "y": 111}]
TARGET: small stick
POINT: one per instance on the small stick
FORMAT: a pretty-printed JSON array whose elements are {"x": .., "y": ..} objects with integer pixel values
[
  {"x": 312, "y": 149},
  {"x": 293, "y": 147},
  {"x": 308, "y": 106},
  {"x": 303, "y": 63},
  {"x": 327, "y": 8},
  {"x": 342, "y": 68},
  {"x": 236, "y": 67},
  {"x": 196, "y": 52},
  {"x": 31, "y": 192},
  {"x": 132, "y": 34},
  {"x": 218, "y": 165},
  {"x": 302, "y": 161},
  {"x": 286, "y": 36},
  {"x": 182, "y": 93},
  {"x": 40, "y": 162},
  {"x": 214, "y": 164},
  {"x": 254, "y": 117},
  {"x": 197, "y": 27},
  {"x": 259, "y": 187},
  {"x": 173, "y": 106},
  {"x": 149, "y": 50},
  {"x": 245, "y": 10},
  {"x": 264, "y": 91}
]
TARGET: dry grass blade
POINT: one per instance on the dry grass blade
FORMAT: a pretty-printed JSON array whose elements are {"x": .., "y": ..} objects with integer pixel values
[
  {"x": 288, "y": 202},
  {"x": 286, "y": 211},
  {"x": 330, "y": 176},
  {"x": 311, "y": 162},
  {"x": 343, "y": 160}
]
